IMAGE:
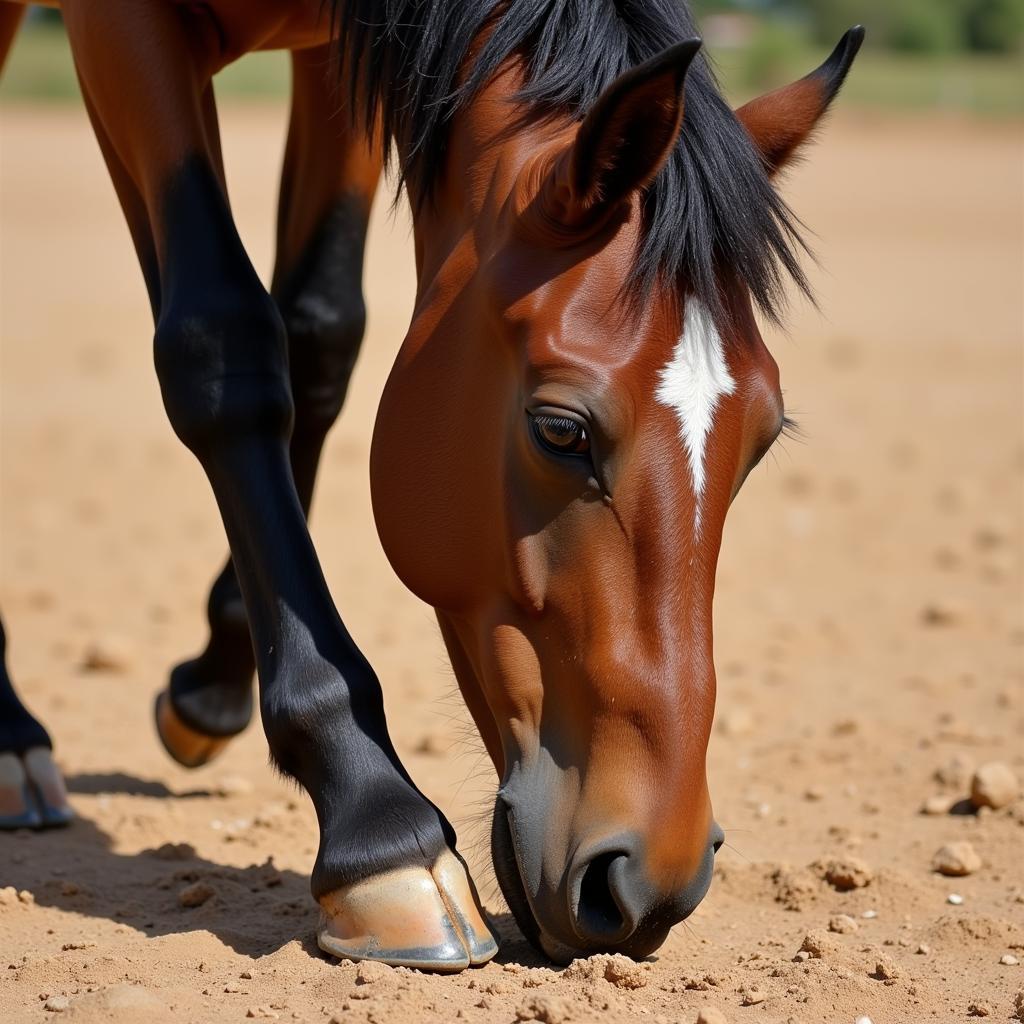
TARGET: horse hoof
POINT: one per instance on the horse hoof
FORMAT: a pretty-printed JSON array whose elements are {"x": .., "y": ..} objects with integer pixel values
[
  {"x": 189, "y": 748},
  {"x": 48, "y": 787},
  {"x": 409, "y": 917},
  {"x": 17, "y": 804}
]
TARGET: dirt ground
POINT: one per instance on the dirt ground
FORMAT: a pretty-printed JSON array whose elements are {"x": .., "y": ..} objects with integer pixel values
[{"x": 869, "y": 629}]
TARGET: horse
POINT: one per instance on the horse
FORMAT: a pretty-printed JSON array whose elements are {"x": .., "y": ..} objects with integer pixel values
[{"x": 581, "y": 393}]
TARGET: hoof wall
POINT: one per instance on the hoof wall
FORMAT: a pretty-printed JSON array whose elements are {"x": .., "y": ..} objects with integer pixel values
[
  {"x": 410, "y": 917},
  {"x": 189, "y": 748},
  {"x": 32, "y": 793}
]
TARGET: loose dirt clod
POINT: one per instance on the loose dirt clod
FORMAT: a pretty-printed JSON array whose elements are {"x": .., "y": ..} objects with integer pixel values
[
  {"x": 368, "y": 972},
  {"x": 994, "y": 785},
  {"x": 753, "y": 995},
  {"x": 956, "y": 859},
  {"x": 818, "y": 944},
  {"x": 842, "y": 924},
  {"x": 885, "y": 968},
  {"x": 625, "y": 973},
  {"x": 549, "y": 1009},
  {"x": 846, "y": 873},
  {"x": 979, "y": 1010},
  {"x": 710, "y": 1015}
]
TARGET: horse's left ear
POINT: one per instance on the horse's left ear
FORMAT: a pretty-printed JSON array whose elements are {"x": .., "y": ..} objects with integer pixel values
[
  {"x": 624, "y": 141},
  {"x": 780, "y": 122}
]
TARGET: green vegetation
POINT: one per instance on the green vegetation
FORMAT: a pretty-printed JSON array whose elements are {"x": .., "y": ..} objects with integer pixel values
[
  {"x": 942, "y": 73},
  {"x": 909, "y": 26},
  {"x": 40, "y": 68}
]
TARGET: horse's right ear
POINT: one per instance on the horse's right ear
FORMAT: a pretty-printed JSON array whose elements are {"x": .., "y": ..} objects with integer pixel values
[
  {"x": 624, "y": 140},
  {"x": 780, "y": 122}
]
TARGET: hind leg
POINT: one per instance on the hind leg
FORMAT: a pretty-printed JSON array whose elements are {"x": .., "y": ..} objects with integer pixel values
[
  {"x": 32, "y": 793},
  {"x": 327, "y": 186}
]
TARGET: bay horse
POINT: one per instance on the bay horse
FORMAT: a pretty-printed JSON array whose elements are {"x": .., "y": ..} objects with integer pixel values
[{"x": 581, "y": 393}]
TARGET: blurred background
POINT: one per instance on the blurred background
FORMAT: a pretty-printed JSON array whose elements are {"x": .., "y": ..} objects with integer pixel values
[
  {"x": 869, "y": 616},
  {"x": 920, "y": 54}
]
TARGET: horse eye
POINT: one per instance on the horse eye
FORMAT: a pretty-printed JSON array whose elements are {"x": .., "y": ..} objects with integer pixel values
[{"x": 560, "y": 434}]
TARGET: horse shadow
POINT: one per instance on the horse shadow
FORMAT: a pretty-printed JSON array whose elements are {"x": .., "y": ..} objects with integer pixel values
[{"x": 171, "y": 889}]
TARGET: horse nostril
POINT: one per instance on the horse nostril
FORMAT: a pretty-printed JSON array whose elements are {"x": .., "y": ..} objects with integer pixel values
[{"x": 599, "y": 909}]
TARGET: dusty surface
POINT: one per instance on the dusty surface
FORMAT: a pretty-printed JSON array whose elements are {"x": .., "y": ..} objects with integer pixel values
[{"x": 869, "y": 631}]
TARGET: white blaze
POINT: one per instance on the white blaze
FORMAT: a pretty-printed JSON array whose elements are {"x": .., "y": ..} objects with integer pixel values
[{"x": 692, "y": 383}]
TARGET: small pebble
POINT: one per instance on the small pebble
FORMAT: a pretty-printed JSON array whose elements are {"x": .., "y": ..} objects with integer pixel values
[
  {"x": 994, "y": 785},
  {"x": 864, "y": 1020},
  {"x": 956, "y": 859},
  {"x": 1008, "y": 960},
  {"x": 195, "y": 895},
  {"x": 842, "y": 924},
  {"x": 979, "y": 1010},
  {"x": 936, "y": 806},
  {"x": 57, "y": 1004},
  {"x": 923, "y": 949},
  {"x": 955, "y": 899},
  {"x": 1018, "y": 1005},
  {"x": 869, "y": 915}
]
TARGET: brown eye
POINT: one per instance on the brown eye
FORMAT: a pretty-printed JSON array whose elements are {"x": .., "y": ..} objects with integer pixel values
[{"x": 560, "y": 434}]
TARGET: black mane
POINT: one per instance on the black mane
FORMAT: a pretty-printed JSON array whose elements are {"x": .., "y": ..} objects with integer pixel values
[{"x": 711, "y": 211}]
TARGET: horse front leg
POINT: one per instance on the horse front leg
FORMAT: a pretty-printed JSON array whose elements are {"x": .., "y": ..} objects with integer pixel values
[
  {"x": 386, "y": 876},
  {"x": 328, "y": 181}
]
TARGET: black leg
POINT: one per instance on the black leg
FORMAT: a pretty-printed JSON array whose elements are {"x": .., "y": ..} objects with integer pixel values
[
  {"x": 31, "y": 788},
  {"x": 328, "y": 180},
  {"x": 321, "y": 303}
]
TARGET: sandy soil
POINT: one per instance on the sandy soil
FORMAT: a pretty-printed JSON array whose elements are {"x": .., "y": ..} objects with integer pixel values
[{"x": 869, "y": 629}]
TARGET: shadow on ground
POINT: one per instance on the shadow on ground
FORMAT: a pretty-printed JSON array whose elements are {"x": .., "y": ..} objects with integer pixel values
[{"x": 254, "y": 910}]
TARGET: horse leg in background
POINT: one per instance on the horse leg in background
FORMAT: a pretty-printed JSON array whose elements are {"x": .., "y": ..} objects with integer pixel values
[
  {"x": 32, "y": 793},
  {"x": 387, "y": 879},
  {"x": 10, "y": 19},
  {"x": 327, "y": 186}
]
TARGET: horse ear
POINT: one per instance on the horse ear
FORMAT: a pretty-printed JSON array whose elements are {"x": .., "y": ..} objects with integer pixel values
[
  {"x": 625, "y": 139},
  {"x": 782, "y": 121}
]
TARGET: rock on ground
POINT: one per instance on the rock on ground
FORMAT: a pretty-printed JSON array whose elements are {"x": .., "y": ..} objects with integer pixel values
[
  {"x": 956, "y": 859},
  {"x": 846, "y": 873},
  {"x": 994, "y": 785}
]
